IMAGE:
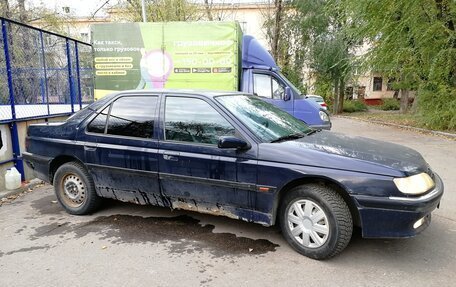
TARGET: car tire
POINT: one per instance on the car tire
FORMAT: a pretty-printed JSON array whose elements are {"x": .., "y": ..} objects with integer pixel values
[
  {"x": 315, "y": 221},
  {"x": 75, "y": 189}
]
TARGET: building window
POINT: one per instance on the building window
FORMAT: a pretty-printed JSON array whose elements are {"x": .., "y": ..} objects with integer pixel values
[
  {"x": 389, "y": 85},
  {"x": 349, "y": 93},
  {"x": 361, "y": 92},
  {"x": 378, "y": 81}
]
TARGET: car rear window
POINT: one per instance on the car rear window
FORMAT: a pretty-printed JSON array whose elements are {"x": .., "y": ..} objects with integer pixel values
[{"x": 127, "y": 116}]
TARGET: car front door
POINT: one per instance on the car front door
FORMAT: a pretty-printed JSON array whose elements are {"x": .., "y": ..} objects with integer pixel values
[
  {"x": 194, "y": 173},
  {"x": 271, "y": 90},
  {"x": 121, "y": 149}
]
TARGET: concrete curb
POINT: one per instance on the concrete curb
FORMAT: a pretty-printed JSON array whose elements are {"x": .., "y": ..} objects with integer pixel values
[
  {"x": 437, "y": 133},
  {"x": 25, "y": 187}
]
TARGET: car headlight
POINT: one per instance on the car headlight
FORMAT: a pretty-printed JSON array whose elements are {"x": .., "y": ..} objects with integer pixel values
[
  {"x": 415, "y": 184},
  {"x": 324, "y": 116}
]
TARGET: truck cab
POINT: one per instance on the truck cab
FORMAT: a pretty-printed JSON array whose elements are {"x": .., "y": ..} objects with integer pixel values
[{"x": 261, "y": 76}]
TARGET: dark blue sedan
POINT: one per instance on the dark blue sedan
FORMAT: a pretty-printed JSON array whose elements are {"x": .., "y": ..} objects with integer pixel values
[{"x": 237, "y": 156}]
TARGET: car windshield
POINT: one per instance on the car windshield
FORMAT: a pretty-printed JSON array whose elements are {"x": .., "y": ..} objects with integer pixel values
[{"x": 266, "y": 121}]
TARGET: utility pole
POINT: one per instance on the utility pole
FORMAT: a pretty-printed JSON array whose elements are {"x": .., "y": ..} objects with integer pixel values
[{"x": 143, "y": 10}]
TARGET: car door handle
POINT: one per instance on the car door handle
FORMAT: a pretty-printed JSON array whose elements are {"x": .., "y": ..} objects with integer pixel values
[
  {"x": 171, "y": 156},
  {"x": 90, "y": 147}
]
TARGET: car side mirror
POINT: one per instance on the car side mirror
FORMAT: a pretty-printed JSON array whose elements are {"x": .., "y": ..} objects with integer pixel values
[
  {"x": 287, "y": 94},
  {"x": 232, "y": 142}
]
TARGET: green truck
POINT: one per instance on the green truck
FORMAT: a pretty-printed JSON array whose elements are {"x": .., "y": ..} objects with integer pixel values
[{"x": 194, "y": 55}]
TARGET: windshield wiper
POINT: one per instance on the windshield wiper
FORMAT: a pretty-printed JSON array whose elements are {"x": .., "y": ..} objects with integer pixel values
[
  {"x": 313, "y": 131},
  {"x": 289, "y": 137}
]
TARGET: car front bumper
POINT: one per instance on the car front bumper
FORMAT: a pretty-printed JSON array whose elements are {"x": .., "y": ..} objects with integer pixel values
[{"x": 394, "y": 217}]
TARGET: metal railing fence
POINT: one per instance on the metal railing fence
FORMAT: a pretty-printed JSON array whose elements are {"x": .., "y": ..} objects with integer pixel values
[{"x": 42, "y": 75}]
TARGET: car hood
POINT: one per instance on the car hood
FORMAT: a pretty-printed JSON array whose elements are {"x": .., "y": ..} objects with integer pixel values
[{"x": 334, "y": 150}]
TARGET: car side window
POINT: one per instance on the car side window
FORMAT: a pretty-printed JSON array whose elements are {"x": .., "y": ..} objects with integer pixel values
[
  {"x": 129, "y": 116},
  {"x": 277, "y": 90},
  {"x": 267, "y": 86},
  {"x": 194, "y": 120},
  {"x": 98, "y": 124}
]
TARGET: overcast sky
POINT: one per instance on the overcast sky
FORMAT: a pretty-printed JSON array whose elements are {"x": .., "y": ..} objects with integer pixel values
[{"x": 88, "y": 7}]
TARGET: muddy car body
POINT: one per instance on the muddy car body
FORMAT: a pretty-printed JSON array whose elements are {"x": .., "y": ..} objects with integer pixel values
[{"x": 237, "y": 156}]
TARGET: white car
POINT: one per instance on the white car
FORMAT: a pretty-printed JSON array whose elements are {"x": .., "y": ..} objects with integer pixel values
[{"x": 319, "y": 100}]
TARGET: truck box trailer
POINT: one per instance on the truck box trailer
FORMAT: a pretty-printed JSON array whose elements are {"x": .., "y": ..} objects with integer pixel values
[{"x": 194, "y": 55}]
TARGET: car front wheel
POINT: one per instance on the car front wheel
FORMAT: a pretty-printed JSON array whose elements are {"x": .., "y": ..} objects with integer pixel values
[{"x": 316, "y": 221}]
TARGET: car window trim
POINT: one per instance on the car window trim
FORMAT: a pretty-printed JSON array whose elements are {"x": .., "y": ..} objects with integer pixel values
[
  {"x": 107, "y": 117},
  {"x": 165, "y": 96},
  {"x": 272, "y": 75},
  {"x": 120, "y": 136},
  {"x": 110, "y": 104},
  {"x": 254, "y": 91}
]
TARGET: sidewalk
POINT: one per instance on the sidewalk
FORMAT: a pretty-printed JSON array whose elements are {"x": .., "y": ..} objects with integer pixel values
[
  {"x": 447, "y": 135},
  {"x": 26, "y": 187}
]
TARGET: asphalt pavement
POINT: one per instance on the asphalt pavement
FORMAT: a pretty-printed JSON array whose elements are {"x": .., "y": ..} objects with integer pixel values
[{"x": 130, "y": 245}]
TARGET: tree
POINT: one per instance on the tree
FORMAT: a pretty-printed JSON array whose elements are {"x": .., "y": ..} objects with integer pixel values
[
  {"x": 162, "y": 10},
  {"x": 221, "y": 10},
  {"x": 5, "y": 10},
  {"x": 413, "y": 42},
  {"x": 310, "y": 35},
  {"x": 208, "y": 7},
  {"x": 331, "y": 58},
  {"x": 285, "y": 39},
  {"x": 276, "y": 34}
]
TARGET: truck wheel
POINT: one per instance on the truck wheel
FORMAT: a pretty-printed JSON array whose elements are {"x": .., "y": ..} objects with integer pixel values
[
  {"x": 75, "y": 189},
  {"x": 315, "y": 221}
]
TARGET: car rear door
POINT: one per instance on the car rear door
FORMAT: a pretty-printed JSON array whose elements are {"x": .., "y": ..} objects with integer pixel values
[
  {"x": 194, "y": 173},
  {"x": 121, "y": 148}
]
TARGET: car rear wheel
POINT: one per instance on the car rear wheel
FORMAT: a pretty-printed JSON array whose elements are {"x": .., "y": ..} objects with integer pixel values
[
  {"x": 316, "y": 221},
  {"x": 75, "y": 189}
]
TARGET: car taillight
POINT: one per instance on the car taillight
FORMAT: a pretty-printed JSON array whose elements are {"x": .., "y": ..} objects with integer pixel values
[{"x": 323, "y": 104}]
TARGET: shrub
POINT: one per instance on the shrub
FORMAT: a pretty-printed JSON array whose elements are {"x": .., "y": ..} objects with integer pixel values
[
  {"x": 354, "y": 106},
  {"x": 437, "y": 107},
  {"x": 390, "y": 105}
]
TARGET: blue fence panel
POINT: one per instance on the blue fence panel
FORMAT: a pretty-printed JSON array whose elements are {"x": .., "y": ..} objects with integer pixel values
[
  {"x": 42, "y": 74},
  {"x": 59, "y": 97},
  {"x": 29, "y": 87},
  {"x": 5, "y": 107},
  {"x": 50, "y": 74},
  {"x": 85, "y": 56}
]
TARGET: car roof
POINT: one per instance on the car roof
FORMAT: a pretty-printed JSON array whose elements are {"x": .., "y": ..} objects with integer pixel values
[{"x": 205, "y": 93}]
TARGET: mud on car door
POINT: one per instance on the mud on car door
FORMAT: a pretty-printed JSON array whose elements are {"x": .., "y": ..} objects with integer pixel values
[
  {"x": 194, "y": 173},
  {"x": 121, "y": 150}
]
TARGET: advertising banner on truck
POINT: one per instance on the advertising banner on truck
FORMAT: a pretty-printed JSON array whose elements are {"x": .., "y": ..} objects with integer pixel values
[{"x": 192, "y": 55}]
